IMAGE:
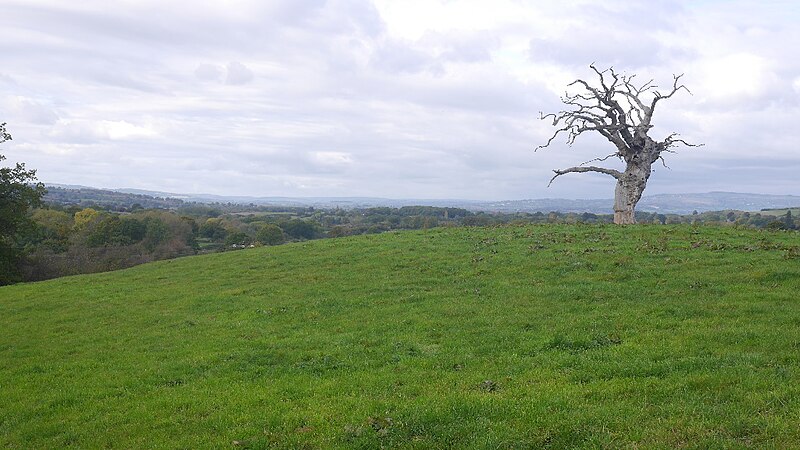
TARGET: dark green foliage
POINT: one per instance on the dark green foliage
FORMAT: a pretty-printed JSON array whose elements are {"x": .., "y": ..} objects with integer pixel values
[
  {"x": 52, "y": 230},
  {"x": 419, "y": 222},
  {"x": 433, "y": 211},
  {"x": 105, "y": 231},
  {"x": 776, "y": 225},
  {"x": 115, "y": 230},
  {"x": 19, "y": 193},
  {"x": 9, "y": 257},
  {"x": 131, "y": 230},
  {"x": 299, "y": 229},
  {"x": 789, "y": 221},
  {"x": 337, "y": 231},
  {"x": 270, "y": 234},
  {"x": 92, "y": 241},
  {"x": 194, "y": 230},
  {"x": 213, "y": 229},
  {"x": 237, "y": 238},
  {"x": 156, "y": 232},
  {"x": 477, "y": 221}
]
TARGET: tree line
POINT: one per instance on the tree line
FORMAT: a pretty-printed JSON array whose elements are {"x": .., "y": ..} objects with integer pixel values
[{"x": 63, "y": 240}]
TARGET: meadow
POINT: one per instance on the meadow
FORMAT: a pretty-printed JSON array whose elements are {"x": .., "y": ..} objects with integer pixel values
[
  {"x": 780, "y": 212},
  {"x": 537, "y": 336}
]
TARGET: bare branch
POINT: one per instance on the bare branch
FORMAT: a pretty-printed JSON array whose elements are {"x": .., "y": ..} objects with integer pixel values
[
  {"x": 682, "y": 142},
  {"x": 600, "y": 74},
  {"x": 604, "y": 158},
  {"x": 584, "y": 169},
  {"x": 673, "y": 140},
  {"x": 552, "y": 138},
  {"x": 675, "y": 88},
  {"x": 617, "y": 111}
]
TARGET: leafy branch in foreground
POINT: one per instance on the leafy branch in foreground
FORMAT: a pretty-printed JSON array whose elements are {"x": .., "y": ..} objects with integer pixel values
[{"x": 19, "y": 192}]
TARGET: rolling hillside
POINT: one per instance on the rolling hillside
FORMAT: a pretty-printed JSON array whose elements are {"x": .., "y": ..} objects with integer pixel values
[{"x": 512, "y": 337}]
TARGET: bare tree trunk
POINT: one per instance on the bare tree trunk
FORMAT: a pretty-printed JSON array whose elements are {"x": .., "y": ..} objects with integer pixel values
[{"x": 628, "y": 192}]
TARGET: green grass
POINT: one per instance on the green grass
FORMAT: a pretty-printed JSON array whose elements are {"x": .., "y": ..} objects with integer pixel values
[{"x": 513, "y": 337}]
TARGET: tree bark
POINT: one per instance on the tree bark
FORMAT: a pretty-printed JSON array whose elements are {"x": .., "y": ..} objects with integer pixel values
[{"x": 630, "y": 187}]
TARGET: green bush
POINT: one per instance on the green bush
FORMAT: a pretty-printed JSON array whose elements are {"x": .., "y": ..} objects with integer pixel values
[{"x": 270, "y": 234}]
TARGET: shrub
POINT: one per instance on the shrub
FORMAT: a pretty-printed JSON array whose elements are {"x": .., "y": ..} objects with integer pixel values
[{"x": 270, "y": 234}]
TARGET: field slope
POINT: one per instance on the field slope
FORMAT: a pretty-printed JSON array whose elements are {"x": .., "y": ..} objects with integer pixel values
[{"x": 513, "y": 337}]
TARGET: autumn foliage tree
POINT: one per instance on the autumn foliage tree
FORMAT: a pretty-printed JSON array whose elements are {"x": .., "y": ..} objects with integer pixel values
[{"x": 622, "y": 112}]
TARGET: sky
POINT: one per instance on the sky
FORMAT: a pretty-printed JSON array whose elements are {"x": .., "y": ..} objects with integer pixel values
[{"x": 429, "y": 99}]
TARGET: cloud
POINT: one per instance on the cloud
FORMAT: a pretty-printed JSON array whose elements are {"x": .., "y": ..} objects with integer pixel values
[
  {"x": 29, "y": 110},
  {"x": 742, "y": 79},
  {"x": 399, "y": 57},
  {"x": 468, "y": 47},
  {"x": 332, "y": 158},
  {"x": 629, "y": 35},
  {"x": 208, "y": 72},
  {"x": 120, "y": 129},
  {"x": 7, "y": 79},
  {"x": 433, "y": 51},
  {"x": 237, "y": 73},
  {"x": 420, "y": 98},
  {"x": 88, "y": 132},
  {"x": 234, "y": 73}
]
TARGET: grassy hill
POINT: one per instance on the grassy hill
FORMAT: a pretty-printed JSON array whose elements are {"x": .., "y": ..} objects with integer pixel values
[{"x": 514, "y": 337}]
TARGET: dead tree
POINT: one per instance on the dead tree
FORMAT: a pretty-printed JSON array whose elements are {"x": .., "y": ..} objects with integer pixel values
[{"x": 621, "y": 112}]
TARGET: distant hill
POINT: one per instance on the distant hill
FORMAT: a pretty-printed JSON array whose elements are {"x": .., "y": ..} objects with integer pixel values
[
  {"x": 715, "y": 201},
  {"x": 663, "y": 203},
  {"x": 85, "y": 197}
]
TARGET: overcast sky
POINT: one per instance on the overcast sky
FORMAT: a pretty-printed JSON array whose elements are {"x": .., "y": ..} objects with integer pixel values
[{"x": 391, "y": 98}]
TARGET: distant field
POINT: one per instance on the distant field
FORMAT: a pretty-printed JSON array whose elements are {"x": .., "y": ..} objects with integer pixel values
[
  {"x": 513, "y": 337},
  {"x": 780, "y": 212}
]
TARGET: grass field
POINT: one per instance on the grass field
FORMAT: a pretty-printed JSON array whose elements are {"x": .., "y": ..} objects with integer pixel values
[
  {"x": 513, "y": 337},
  {"x": 780, "y": 212}
]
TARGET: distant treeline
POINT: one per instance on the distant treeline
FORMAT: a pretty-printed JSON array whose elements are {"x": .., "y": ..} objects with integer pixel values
[
  {"x": 67, "y": 239},
  {"x": 105, "y": 199}
]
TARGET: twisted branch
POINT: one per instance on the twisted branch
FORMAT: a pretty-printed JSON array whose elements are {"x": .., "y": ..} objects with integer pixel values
[
  {"x": 618, "y": 111},
  {"x": 582, "y": 169}
]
